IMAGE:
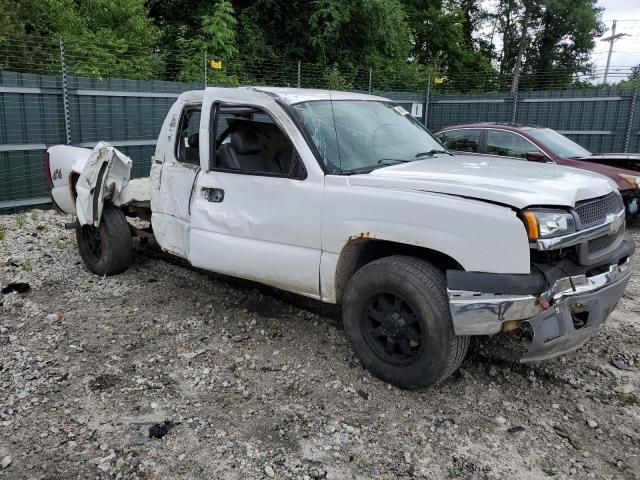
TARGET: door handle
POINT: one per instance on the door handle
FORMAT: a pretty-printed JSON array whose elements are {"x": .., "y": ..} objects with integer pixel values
[{"x": 215, "y": 195}]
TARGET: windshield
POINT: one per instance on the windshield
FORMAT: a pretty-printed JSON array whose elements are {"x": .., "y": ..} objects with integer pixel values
[
  {"x": 558, "y": 143},
  {"x": 355, "y": 136}
]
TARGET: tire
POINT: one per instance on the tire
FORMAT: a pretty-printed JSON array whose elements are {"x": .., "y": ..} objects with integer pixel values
[
  {"x": 107, "y": 249},
  {"x": 412, "y": 344}
]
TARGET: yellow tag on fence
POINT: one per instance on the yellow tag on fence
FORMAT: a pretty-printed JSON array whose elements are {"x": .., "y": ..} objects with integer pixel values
[{"x": 216, "y": 64}]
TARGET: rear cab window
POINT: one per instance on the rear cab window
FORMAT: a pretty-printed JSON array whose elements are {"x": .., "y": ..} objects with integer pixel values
[
  {"x": 462, "y": 140},
  {"x": 188, "y": 138}
]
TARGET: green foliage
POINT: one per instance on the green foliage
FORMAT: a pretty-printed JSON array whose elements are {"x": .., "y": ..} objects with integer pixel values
[
  {"x": 335, "y": 80},
  {"x": 338, "y": 41},
  {"x": 3, "y": 232},
  {"x": 34, "y": 215},
  {"x": 559, "y": 38},
  {"x": 21, "y": 219},
  {"x": 352, "y": 32},
  {"x": 26, "y": 266},
  {"x": 216, "y": 39},
  {"x": 102, "y": 38},
  {"x": 634, "y": 79}
]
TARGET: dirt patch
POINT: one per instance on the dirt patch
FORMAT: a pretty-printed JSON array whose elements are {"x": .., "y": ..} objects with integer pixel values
[
  {"x": 265, "y": 384},
  {"x": 103, "y": 382}
]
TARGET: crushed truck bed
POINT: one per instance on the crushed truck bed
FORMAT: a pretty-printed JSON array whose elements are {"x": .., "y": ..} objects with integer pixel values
[{"x": 135, "y": 192}]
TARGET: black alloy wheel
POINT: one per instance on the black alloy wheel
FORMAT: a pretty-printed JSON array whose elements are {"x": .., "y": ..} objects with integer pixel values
[
  {"x": 392, "y": 329},
  {"x": 91, "y": 238}
]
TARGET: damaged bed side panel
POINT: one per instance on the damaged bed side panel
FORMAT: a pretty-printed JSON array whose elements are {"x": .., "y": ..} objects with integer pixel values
[{"x": 104, "y": 176}]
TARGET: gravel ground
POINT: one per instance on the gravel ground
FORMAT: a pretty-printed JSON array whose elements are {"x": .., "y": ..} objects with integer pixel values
[{"x": 265, "y": 385}]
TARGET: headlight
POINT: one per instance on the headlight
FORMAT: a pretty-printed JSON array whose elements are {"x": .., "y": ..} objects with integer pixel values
[
  {"x": 631, "y": 179},
  {"x": 541, "y": 223}
]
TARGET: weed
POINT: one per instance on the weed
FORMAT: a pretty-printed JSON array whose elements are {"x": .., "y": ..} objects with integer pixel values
[
  {"x": 21, "y": 219},
  {"x": 3, "y": 232},
  {"x": 26, "y": 266}
]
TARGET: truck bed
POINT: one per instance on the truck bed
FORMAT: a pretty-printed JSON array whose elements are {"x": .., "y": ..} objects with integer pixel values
[
  {"x": 136, "y": 193},
  {"x": 75, "y": 173}
]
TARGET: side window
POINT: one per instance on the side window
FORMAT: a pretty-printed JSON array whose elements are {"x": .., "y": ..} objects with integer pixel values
[
  {"x": 187, "y": 141},
  {"x": 466, "y": 140},
  {"x": 508, "y": 144},
  {"x": 248, "y": 141}
]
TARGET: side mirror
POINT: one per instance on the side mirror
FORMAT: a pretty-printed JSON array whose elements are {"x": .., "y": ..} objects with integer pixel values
[{"x": 536, "y": 157}]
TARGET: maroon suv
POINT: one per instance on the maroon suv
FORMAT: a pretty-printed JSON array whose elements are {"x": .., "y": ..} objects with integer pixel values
[{"x": 539, "y": 144}]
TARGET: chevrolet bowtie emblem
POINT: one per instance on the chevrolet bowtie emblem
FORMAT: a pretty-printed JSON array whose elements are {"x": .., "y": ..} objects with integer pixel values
[{"x": 615, "y": 222}]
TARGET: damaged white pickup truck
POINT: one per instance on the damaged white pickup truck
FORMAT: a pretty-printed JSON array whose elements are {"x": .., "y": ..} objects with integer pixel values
[{"x": 346, "y": 198}]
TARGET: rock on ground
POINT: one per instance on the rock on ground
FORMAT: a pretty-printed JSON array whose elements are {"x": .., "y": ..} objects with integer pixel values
[{"x": 262, "y": 384}]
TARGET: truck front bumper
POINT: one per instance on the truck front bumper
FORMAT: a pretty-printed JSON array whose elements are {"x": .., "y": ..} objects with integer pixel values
[{"x": 561, "y": 318}]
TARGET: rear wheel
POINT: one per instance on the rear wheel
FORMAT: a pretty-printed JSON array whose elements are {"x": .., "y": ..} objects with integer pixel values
[
  {"x": 396, "y": 314},
  {"x": 107, "y": 249}
]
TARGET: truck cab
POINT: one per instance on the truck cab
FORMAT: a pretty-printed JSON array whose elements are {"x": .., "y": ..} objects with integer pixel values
[{"x": 347, "y": 199}]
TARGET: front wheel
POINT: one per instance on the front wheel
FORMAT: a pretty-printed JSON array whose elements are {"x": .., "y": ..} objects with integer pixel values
[
  {"x": 107, "y": 249},
  {"x": 396, "y": 313}
]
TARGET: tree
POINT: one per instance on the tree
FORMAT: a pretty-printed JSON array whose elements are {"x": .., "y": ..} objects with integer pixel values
[
  {"x": 261, "y": 41},
  {"x": 102, "y": 37},
  {"x": 216, "y": 39},
  {"x": 558, "y": 38},
  {"x": 441, "y": 38},
  {"x": 633, "y": 81}
]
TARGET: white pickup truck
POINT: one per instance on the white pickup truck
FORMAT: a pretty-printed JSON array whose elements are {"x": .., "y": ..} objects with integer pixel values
[{"x": 346, "y": 198}]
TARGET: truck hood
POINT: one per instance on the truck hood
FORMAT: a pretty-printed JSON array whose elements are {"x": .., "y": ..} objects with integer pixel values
[{"x": 518, "y": 184}]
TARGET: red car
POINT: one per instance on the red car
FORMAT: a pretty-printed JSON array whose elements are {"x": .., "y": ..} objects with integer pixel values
[{"x": 541, "y": 144}]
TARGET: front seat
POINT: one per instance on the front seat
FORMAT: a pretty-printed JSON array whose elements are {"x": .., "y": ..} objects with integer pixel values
[{"x": 244, "y": 150}]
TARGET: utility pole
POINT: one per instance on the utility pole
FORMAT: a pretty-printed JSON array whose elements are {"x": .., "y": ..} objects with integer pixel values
[
  {"x": 611, "y": 39},
  {"x": 523, "y": 43}
]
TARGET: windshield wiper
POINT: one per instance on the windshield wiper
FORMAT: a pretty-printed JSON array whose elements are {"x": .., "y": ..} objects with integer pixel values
[
  {"x": 370, "y": 168},
  {"x": 430, "y": 153},
  {"x": 393, "y": 160}
]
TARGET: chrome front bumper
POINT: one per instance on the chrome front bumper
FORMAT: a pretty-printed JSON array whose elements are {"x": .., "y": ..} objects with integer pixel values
[{"x": 551, "y": 314}]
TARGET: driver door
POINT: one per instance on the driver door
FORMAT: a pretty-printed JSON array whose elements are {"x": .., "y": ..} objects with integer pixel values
[{"x": 262, "y": 214}]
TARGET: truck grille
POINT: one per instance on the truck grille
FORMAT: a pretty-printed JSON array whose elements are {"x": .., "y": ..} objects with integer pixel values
[
  {"x": 593, "y": 212},
  {"x": 598, "y": 244}
]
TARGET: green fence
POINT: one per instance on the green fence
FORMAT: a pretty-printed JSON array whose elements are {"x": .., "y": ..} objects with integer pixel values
[
  {"x": 33, "y": 116},
  {"x": 37, "y": 111},
  {"x": 601, "y": 120}
]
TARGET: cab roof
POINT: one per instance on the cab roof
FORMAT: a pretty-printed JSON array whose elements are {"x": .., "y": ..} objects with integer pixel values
[
  {"x": 289, "y": 95},
  {"x": 298, "y": 95}
]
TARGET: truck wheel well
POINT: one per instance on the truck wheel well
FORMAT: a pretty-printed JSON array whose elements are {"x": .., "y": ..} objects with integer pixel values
[
  {"x": 360, "y": 252},
  {"x": 73, "y": 180}
]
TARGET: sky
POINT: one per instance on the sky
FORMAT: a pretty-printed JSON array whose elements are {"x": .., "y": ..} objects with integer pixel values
[{"x": 626, "y": 51}]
